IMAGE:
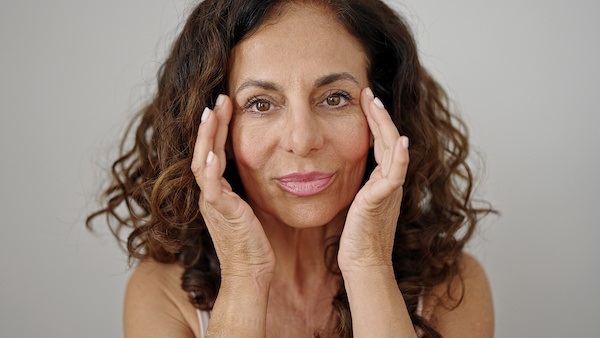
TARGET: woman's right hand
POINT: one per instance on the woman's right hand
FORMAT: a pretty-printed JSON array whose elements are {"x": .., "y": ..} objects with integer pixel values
[{"x": 238, "y": 236}]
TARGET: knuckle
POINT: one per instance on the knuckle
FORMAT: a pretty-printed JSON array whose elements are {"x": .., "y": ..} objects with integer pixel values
[
  {"x": 403, "y": 160},
  {"x": 399, "y": 182},
  {"x": 208, "y": 199},
  {"x": 196, "y": 166}
]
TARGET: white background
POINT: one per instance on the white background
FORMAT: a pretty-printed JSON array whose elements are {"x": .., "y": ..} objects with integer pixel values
[{"x": 523, "y": 73}]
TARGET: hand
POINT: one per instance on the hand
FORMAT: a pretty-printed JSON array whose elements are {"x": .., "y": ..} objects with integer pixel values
[
  {"x": 368, "y": 236},
  {"x": 238, "y": 236}
]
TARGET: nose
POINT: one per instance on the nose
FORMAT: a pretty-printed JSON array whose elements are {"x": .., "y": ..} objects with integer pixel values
[{"x": 303, "y": 131}]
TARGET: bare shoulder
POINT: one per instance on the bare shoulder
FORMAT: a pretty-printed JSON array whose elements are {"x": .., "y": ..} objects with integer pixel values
[
  {"x": 155, "y": 303},
  {"x": 474, "y": 315}
]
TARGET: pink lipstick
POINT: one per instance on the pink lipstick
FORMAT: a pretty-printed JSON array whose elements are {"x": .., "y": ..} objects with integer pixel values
[{"x": 305, "y": 184}]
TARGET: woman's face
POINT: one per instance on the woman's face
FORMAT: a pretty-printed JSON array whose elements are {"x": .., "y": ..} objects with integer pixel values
[{"x": 299, "y": 137}]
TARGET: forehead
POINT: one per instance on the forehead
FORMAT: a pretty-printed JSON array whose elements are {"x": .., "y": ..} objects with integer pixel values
[{"x": 302, "y": 40}]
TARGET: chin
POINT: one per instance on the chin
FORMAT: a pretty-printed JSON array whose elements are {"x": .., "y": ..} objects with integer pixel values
[
  {"x": 305, "y": 212},
  {"x": 313, "y": 217}
]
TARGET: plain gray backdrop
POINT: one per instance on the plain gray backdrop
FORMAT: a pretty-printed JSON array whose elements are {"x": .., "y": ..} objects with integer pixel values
[{"x": 523, "y": 73}]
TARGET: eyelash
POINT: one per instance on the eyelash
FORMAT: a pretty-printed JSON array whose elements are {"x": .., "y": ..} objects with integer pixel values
[
  {"x": 254, "y": 100},
  {"x": 341, "y": 94},
  {"x": 257, "y": 99}
]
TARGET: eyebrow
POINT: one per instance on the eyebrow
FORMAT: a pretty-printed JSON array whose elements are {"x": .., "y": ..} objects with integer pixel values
[
  {"x": 331, "y": 78},
  {"x": 258, "y": 83},
  {"x": 320, "y": 82}
]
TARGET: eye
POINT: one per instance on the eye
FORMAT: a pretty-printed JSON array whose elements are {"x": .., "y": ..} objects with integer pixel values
[
  {"x": 262, "y": 106},
  {"x": 337, "y": 99},
  {"x": 334, "y": 100},
  {"x": 258, "y": 105}
]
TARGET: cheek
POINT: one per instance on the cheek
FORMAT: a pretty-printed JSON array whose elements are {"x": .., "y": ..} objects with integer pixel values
[
  {"x": 253, "y": 145},
  {"x": 353, "y": 139},
  {"x": 249, "y": 146}
]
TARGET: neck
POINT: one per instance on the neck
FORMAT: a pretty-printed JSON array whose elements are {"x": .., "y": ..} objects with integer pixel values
[
  {"x": 303, "y": 284},
  {"x": 305, "y": 256}
]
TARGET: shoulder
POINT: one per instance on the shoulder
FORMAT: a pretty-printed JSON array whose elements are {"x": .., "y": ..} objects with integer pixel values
[
  {"x": 474, "y": 314},
  {"x": 155, "y": 303}
]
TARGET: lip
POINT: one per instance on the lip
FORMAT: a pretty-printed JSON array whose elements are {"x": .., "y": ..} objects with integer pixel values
[{"x": 305, "y": 184}]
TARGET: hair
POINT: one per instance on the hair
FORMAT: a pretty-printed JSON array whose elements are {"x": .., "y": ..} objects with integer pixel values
[{"x": 154, "y": 193}]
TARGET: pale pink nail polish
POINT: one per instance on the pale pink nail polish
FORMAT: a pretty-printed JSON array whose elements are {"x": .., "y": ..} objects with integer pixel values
[
  {"x": 405, "y": 142},
  {"x": 205, "y": 115},
  {"x": 378, "y": 102},
  {"x": 220, "y": 100},
  {"x": 369, "y": 93},
  {"x": 210, "y": 158}
]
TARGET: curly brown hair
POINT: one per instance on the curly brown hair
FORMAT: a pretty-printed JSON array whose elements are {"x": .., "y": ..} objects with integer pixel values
[{"x": 153, "y": 181}]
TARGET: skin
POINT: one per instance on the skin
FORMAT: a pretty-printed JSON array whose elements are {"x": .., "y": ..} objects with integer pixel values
[{"x": 286, "y": 113}]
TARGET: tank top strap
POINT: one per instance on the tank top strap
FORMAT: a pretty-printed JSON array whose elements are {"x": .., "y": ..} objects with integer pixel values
[
  {"x": 203, "y": 318},
  {"x": 420, "y": 306}
]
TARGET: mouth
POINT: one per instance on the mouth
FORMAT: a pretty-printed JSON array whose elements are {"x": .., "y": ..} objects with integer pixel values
[{"x": 305, "y": 184}]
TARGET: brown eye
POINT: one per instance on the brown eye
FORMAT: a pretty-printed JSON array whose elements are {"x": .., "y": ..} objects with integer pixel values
[
  {"x": 334, "y": 100},
  {"x": 263, "y": 106},
  {"x": 260, "y": 106}
]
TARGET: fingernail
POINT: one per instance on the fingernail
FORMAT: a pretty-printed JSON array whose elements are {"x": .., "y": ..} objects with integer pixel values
[
  {"x": 205, "y": 115},
  {"x": 378, "y": 102},
  {"x": 369, "y": 93},
  {"x": 210, "y": 157},
  {"x": 220, "y": 100},
  {"x": 405, "y": 142}
]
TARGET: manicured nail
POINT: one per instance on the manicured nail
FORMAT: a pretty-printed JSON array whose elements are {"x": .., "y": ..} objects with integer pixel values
[
  {"x": 378, "y": 102},
  {"x": 405, "y": 142},
  {"x": 369, "y": 93},
  {"x": 205, "y": 115},
  {"x": 220, "y": 100},
  {"x": 210, "y": 157}
]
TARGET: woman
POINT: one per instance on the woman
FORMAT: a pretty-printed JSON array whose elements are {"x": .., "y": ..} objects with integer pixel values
[{"x": 300, "y": 215}]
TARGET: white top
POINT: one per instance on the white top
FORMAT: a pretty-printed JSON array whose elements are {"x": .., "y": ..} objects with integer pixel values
[{"x": 203, "y": 318}]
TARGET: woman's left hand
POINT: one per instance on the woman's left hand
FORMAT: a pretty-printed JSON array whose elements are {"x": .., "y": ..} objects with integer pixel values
[{"x": 368, "y": 236}]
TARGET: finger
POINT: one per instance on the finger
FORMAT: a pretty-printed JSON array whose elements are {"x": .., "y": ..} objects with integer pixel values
[
  {"x": 394, "y": 180},
  {"x": 383, "y": 128},
  {"x": 399, "y": 163},
  {"x": 204, "y": 143},
  {"x": 211, "y": 186},
  {"x": 365, "y": 102},
  {"x": 387, "y": 128},
  {"x": 216, "y": 195},
  {"x": 223, "y": 110}
]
